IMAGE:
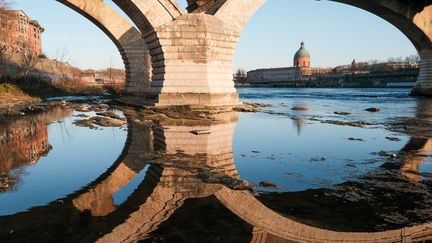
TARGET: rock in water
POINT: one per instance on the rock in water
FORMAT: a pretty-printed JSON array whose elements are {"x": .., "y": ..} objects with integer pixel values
[
  {"x": 267, "y": 184},
  {"x": 373, "y": 109},
  {"x": 299, "y": 108},
  {"x": 342, "y": 113}
]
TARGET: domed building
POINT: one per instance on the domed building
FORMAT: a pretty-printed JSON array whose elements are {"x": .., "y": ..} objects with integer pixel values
[
  {"x": 302, "y": 57},
  {"x": 301, "y": 74}
]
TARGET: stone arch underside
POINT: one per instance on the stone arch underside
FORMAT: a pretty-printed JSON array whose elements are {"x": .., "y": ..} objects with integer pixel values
[
  {"x": 192, "y": 53},
  {"x": 126, "y": 37},
  {"x": 412, "y": 18}
]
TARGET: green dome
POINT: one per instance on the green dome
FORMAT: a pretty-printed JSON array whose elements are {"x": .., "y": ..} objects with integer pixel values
[{"x": 302, "y": 52}]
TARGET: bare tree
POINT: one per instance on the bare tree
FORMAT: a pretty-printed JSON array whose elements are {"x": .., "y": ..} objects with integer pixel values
[
  {"x": 110, "y": 72},
  {"x": 240, "y": 75},
  {"x": 62, "y": 54},
  {"x": 28, "y": 60},
  {"x": 5, "y": 4},
  {"x": 6, "y": 51},
  {"x": 241, "y": 72},
  {"x": 373, "y": 62},
  {"x": 6, "y": 54},
  {"x": 413, "y": 58}
]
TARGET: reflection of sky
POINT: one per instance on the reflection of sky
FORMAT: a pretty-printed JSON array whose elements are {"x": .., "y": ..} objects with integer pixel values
[
  {"x": 324, "y": 102},
  {"x": 286, "y": 158},
  {"x": 78, "y": 157},
  {"x": 121, "y": 195},
  {"x": 282, "y": 155}
]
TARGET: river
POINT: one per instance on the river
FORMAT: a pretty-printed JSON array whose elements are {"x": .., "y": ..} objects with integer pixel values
[{"x": 308, "y": 161}]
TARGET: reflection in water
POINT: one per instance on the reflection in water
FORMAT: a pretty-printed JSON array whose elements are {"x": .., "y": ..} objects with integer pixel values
[
  {"x": 414, "y": 154},
  {"x": 417, "y": 150},
  {"x": 189, "y": 170},
  {"x": 24, "y": 141},
  {"x": 300, "y": 123}
]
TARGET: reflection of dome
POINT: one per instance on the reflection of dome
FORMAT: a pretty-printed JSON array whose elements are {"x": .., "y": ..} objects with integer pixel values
[{"x": 302, "y": 57}]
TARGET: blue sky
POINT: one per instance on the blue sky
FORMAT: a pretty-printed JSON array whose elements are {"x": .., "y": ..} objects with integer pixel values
[{"x": 334, "y": 34}]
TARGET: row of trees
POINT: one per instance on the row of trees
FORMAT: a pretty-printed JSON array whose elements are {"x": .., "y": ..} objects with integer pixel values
[{"x": 410, "y": 58}]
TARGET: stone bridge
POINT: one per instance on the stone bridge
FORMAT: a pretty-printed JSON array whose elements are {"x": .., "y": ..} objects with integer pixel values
[{"x": 174, "y": 57}]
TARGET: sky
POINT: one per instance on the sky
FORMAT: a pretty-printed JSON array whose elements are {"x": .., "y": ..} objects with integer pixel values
[{"x": 333, "y": 33}]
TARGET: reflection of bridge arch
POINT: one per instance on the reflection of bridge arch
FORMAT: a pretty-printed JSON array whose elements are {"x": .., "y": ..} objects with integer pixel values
[
  {"x": 251, "y": 210},
  {"x": 418, "y": 150},
  {"x": 125, "y": 36},
  {"x": 419, "y": 147},
  {"x": 168, "y": 185},
  {"x": 171, "y": 191}
]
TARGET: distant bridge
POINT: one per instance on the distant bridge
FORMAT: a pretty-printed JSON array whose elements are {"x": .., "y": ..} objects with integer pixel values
[{"x": 175, "y": 57}]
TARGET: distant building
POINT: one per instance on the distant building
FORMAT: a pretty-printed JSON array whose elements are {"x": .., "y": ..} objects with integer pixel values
[
  {"x": 356, "y": 74},
  {"x": 20, "y": 33},
  {"x": 101, "y": 77},
  {"x": 301, "y": 70}
]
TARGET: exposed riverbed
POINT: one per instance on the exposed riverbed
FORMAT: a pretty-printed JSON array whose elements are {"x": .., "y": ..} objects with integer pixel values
[{"x": 338, "y": 159}]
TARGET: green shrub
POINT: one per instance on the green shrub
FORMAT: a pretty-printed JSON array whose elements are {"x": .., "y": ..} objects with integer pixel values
[{"x": 9, "y": 88}]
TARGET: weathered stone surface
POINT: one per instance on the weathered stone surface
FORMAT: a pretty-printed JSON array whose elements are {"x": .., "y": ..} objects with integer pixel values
[{"x": 191, "y": 53}]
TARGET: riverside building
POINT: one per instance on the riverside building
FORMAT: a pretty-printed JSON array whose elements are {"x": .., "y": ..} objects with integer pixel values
[
  {"x": 20, "y": 33},
  {"x": 300, "y": 72}
]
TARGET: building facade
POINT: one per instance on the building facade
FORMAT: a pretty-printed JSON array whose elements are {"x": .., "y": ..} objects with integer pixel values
[
  {"x": 20, "y": 33},
  {"x": 301, "y": 70}
]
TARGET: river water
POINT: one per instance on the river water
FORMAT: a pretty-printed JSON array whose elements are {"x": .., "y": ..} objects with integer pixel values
[{"x": 314, "y": 159}]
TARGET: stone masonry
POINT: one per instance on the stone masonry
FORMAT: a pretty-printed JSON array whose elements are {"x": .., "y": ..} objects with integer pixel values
[
  {"x": 191, "y": 53},
  {"x": 126, "y": 37}
]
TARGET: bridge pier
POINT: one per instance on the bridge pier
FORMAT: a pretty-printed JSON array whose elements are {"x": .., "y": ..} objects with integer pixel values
[
  {"x": 192, "y": 61},
  {"x": 191, "y": 53},
  {"x": 424, "y": 81},
  {"x": 126, "y": 37}
]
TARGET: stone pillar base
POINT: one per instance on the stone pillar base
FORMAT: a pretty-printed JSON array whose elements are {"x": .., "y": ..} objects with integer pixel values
[
  {"x": 178, "y": 99},
  {"x": 201, "y": 99},
  {"x": 424, "y": 81},
  {"x": 417, "y": 91}
]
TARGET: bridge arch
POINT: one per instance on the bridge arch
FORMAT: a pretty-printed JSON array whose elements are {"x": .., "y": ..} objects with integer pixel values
[
  {"x": 413, "y": 19},
  {"x": 126, "y": 38}
]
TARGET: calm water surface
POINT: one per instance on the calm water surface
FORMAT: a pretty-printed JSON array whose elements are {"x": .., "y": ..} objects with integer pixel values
[
  {"x": 167, "y": 182},
  {"x": 298, "y": 153}
]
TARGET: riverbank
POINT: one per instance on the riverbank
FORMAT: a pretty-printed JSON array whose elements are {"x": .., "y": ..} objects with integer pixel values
[
  {"x": 11, "y": 96},
  {"x": 317, "y": 157},
  {"x": 19, "y": 94}
]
